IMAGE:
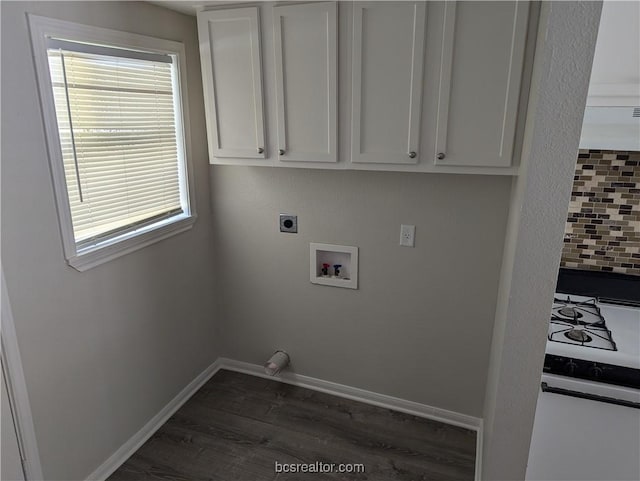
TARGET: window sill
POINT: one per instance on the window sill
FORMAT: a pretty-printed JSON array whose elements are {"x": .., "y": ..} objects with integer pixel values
[{"x": 112, "y": 249}]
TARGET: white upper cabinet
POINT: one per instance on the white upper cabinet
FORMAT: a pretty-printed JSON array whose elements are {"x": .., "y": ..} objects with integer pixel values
[
  {"x": 232, "y": 81},
  {"x": 305, "y": 44},
  {"x": 387, "y": 71},
  {"x": 410, "y": 86},
  {"x": 482, "y": 60}
]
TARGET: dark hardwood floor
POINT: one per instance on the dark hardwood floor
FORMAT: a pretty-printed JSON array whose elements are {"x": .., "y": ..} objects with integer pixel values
[{"x": 236, "y": 427}]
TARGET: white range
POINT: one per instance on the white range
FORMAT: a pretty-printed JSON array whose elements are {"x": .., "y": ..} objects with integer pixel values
[{"x": 587, "y": 424}]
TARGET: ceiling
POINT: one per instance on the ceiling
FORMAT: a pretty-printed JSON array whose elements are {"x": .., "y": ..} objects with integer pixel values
[
  {"x": 615, "y": 78},
  {"x": 190, "y": 7}
]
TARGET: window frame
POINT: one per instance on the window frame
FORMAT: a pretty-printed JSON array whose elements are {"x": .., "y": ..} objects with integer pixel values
[{"x": 119, "y": 244}]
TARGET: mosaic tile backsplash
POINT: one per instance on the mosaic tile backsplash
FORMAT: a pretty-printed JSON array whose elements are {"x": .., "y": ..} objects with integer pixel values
[{"x": 603, "y": 225}]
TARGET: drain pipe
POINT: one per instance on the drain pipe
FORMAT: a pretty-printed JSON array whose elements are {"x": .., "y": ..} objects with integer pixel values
[{"x": 276, "y": 363}]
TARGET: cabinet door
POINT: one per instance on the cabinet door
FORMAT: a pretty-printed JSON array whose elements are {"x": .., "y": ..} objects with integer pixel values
[
  {"x": 306, "y": 81},
  {"x": 388, "y": 58},
  {"x": 482, "y": 61},
  {"x": 231, "y": 76}
]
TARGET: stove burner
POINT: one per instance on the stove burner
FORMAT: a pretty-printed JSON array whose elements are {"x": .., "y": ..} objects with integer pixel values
[
  {"x": 571, "y": 312},
  {"x": 579, "y": 323},
  {"x": 578, "y": 335},
  {"x": 577, "y": 313}
]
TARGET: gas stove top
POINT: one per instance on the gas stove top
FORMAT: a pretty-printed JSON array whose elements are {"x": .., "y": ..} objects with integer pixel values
[
  {"x": 579, "y": 322},
  {"x": 592, "y": 340}
]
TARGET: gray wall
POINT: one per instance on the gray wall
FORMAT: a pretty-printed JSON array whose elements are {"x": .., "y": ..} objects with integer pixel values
[
  {"x": 420, "y": 325},
  {"x": 104, "y": 350}
]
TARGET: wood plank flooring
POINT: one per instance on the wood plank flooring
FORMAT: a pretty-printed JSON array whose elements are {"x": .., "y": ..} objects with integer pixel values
[{"x": 236, "y": 427}]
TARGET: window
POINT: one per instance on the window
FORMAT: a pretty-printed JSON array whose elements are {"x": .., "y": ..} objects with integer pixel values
[{"x": 112, "y": 110}]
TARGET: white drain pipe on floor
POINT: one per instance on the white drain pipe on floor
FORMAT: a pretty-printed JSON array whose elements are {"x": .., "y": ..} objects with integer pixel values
[{"x": 276, "y": 363}]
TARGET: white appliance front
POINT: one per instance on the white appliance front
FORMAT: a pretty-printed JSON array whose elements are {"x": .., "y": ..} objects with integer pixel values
[{"x": 584, "y": 440}]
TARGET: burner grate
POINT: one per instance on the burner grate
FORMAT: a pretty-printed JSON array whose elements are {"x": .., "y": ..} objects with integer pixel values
[
  {"x": 579, "y": 313},
  {"x": 579, "y": 323}
]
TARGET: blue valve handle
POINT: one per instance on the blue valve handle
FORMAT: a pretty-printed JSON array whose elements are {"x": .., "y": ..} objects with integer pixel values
[{"x": 336, "y": 268}]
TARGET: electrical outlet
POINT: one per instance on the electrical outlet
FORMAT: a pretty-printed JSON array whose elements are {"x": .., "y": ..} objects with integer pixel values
[
  {"x": 407, "y": 235},
  {"x": 289, "y": 223}
]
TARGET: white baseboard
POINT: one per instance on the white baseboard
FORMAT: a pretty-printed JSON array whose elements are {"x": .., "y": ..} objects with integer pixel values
[
  {"x": 328, "y": 387},
  {"x": 356, "y": 394},
  {"x": 123, "y": 453}
]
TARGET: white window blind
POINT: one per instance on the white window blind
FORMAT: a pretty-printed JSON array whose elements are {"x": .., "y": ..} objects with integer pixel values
[{"x": 116, "y": 113}]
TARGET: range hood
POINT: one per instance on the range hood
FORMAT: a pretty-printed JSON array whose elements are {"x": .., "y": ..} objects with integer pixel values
[{"x": 611, "y": 128}]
